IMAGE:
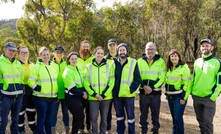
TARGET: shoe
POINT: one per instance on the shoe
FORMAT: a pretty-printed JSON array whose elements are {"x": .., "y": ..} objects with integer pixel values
[
  {"x": 81, "y": 131},
  {"x": 154, "y": 131}
]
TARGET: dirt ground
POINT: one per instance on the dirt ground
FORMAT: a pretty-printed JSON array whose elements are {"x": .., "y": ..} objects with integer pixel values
[{"x": 191, "y": 125}]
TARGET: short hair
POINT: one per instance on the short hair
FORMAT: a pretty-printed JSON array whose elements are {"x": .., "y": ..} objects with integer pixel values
[{"x": 85, "y": 41}]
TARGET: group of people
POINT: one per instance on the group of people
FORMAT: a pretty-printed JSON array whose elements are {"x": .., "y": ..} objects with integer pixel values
[{"x": 88, "y": 84}]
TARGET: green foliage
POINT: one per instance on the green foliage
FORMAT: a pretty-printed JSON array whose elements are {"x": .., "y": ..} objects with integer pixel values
[{"x": 168, "y": 23}]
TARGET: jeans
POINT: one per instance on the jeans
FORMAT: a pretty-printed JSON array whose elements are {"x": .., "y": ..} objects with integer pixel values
[
  {"x": 205, "y": 110},
  {"x": 44, "y": 108},
  {"x": 176, "y": 110},
  {"x": 103, "y": 107},
  {"x": 120, "y": 105},
  {"x": 152, "y": 102},
  {"x": 6, "y": 105},
  {"x": 87, "y": 113},
  {"x": 65, "y": 114}
]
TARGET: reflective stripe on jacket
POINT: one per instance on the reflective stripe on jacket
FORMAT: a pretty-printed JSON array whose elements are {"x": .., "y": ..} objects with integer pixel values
[
  {"x": 178, "y": 79},
  {"x": 11, "y": 79},
  {"x": 99, "y": 79},
  {"x": 45, "y": 77}
]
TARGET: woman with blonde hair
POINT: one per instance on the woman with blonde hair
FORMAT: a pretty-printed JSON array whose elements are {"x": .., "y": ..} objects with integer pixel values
[{"x": 43, "y": 80}]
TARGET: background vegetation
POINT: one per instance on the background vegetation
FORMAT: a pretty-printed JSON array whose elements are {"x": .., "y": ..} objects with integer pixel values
[{"x": 168, "y": 23}]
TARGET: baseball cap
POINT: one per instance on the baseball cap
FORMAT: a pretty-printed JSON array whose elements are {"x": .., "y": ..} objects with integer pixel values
[
  {"x": 59, "y": 48},
  {"x": 112, "y": 41},
  {"x": 11, "y": 46},
  {"x": 206, "y": 40}
]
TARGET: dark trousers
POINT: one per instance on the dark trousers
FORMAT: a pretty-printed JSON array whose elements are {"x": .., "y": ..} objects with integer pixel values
[
  {"x": 109, "y": 116},
  {"x": 152, "y": 102},
  {"x": 87, "y": 113},
  {"x": 176, "y": 110},
  {"x": 64, "y": 110},
  {"x": 75, "y": 106},
  {"x": 205, "y": 110},
  {"x": 120, "y": 105},
  {"x": 28, "y": 108},
  {"x": 44, "y": 108},
  {"x": 10, "y": 105}
]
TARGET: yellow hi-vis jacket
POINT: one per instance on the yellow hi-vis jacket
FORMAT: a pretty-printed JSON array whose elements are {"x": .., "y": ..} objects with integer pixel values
[
  {"x": 99, "y": 79},
  {"x": 11, "y": 79},
  {"x": 43, "y": 79},
  {"x": 178, "y": 81},
  {"x": 152, "y": 75},
  {"x": 73, "y": 81}
]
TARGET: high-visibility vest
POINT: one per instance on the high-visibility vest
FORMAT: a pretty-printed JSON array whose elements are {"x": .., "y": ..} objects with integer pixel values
[
  {"x": 127, "y": 78},
  {"x": 45, "y": 77},
  {"x": 11, "y": 79},
  {"x": 99, "y": 79}
]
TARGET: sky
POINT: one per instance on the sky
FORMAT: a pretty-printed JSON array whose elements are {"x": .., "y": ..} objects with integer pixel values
[{"x": 14, "y": 10}]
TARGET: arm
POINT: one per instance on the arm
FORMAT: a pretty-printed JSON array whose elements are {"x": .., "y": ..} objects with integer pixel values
[
  {"x": 33, "y": 77},
  {"x": 218, "y": 83},
  {"x": 136, "y": 80},
  {"x": 186, "y": 81},
  {"x": 162, "y": 75},
  {"x": 87, "y": 84},
  {"x": 110, "y": 84}
]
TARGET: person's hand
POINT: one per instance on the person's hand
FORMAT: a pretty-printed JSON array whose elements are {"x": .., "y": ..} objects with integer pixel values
[
  {"x": 84, "y": 95},
  {"x": 182, "y": 102},
  {"x": 147, "y": 89},
  {"x": 99, "y": 97}
]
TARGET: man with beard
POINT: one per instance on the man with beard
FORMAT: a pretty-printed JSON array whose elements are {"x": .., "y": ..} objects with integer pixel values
[
  {"x": 127, "y": 80},
  {"x": 84, "y": 58},
  {"x": 152, "y": 70},
  {"x": 206, "y": 86}
]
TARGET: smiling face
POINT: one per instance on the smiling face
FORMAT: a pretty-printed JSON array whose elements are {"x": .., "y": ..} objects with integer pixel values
[
  {"x": 122, "y": 52},
  {"x": 174, "y": 58},
  {"x": 23, "y": 54},
  {"x": 45, "y": 56},
  {"x": 150, "y": 50},
  {"x": 206, "y": 48},
  {"x": 73, "y": 60},
  {"x": 9, "y": 53},
  {"x": 58, "y": 54},
  {"x": 99, "y": 55}
]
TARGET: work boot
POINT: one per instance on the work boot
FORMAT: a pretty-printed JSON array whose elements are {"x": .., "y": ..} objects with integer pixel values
[
  {"x": 53, "y": 130},
  {"x": 66, "y": 130}
]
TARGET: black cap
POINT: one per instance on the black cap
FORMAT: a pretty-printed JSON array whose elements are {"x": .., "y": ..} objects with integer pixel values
[
  {"x": 59, "y": 48},
  {"x": 206, "y": 40},
  {"x": 11, "y": 46},
  {"x": 112, "y": 41}
]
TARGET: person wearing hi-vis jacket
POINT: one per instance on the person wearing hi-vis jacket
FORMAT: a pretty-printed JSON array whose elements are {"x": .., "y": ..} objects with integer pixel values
[
  {"x": 127, "y": 81},
  {"x": 178, "y": 83},
  {"x": 99, "y": 82},
  {"x": 43, "y": 80}
]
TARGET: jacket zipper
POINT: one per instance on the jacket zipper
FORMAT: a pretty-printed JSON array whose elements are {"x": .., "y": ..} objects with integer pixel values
[{"x": 50, "y": 80}]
